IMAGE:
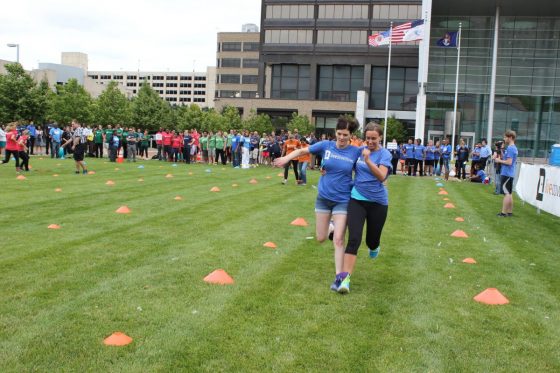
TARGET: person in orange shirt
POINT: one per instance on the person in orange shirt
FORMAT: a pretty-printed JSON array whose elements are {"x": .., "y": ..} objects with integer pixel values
[
  {"x": 356, "y": 141},
  {"x": 303, "y": 161},
  {"x": 289, "y": 146}
]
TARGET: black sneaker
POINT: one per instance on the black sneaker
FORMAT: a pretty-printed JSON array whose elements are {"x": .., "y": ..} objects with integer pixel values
[
  {"x": 502, "y": 215},
  {"x": 510, "y": 214}
]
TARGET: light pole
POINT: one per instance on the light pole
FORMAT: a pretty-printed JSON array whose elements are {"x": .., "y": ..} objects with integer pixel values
[{"x": 17, "y": 50}]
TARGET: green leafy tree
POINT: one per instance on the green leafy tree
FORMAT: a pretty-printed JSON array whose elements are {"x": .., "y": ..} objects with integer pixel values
[
  {"x": 112, "y": 107},
  {"x": 258, "y": 122},
  {"x": 301, "y": 123},
  {"x": 72, "y": 101},
  {"x": 232, "y": 118},
  {"x": 43, "y": 97},
  {"x": 395, "y": 130},
  {"x": 149, "y": 111},
  {"x": 190, "y": 117},
  {"x": 17, "y": 98}
]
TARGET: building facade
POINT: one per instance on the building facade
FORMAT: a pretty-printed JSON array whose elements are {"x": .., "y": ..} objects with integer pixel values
[
  {"x": 237, "y": 61},
  {"x": 177, "y": 88},
  {"x": 314, "y": 59},
  {"x": 509, "y": 72}
]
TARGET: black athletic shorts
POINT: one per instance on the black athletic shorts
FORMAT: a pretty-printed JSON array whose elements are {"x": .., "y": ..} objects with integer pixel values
[
  {"x": 79, "y": 152},
  {"x": 507, "y": 184}
]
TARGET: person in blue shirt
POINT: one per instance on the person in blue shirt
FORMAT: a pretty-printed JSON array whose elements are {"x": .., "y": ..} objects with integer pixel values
[
  {"x": 409, "y": 156},
  {"x": 368, "y": 200},
  {"x": 485, "y": 153},
  {"x": 478, "y": 175},
  {"x": 462, "y": 153},
  {"x": 475, "y": 156},
  {"x": 430, "y": 155},
  {"x": 419, "y": 151},
  {"x": 335, "y": 185},
  {"x": 56, "y": 138},
  {"x": 445, "y": 157},
  {"x": 507, "y": 173},
  {"x": 236, "y": 149},
  {"x": 395, "y": 150},
  {"x": 32, "y": 136}
]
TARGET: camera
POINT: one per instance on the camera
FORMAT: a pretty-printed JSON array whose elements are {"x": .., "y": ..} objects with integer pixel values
[{"x": 498, "y": 144}]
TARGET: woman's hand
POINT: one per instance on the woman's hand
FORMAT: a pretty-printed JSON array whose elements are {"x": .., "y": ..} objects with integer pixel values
[
  {"x": 365, "y": 153},
  {"x": 280, "y": 162}
]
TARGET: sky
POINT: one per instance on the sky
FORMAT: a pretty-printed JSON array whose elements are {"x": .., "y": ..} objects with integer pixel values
[{"x": 145, "y": 35}]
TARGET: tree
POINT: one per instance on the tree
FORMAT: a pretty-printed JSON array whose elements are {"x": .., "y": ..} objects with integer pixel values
[
  {"x": 232, "y": 118},
  {"x": 149, "y": 111},
  {"x": 189, "y": 117},
  {"x": 42, "y": 98},
  {"x": 301, "y": 123},
  {"x": 395, "y": 130},
  {"x": 258, "y": 122},
  {"x": 112, "y": 107},
  {"x": 16, "y": 96},
  {"x": 72, "y": 101}
]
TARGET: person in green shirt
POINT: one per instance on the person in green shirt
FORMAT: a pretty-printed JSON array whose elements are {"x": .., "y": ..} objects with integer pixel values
[
  {"x": 220, "y": 147},
  {"x": 124, "y": 135},
  {"x": 108, "y": 135},
  {"x": 144, "y": 144},
  {"x": 120, "y": 136},
  {"x": 204, "y": 146},
  {"x": 98, "y": 142},
  {"x": 211, "y": 147},
  {"x": 228, "y": 146}
]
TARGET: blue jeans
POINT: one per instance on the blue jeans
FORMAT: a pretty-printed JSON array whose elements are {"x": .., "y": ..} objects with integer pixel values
[
  {"x": 55, "y": 146},
  {"x": 303, "y": 172}
]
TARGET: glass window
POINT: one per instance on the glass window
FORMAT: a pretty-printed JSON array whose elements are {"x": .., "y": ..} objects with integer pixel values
[
  {"x": 249, "y": 79},
  {"x": 229, "y": 78},
  {"x": 231, "y": 47},
  {"x": 290, "y": 81},
  {"x": 250, "y": 62},
  {"x": 340, "y": 82},
  {"x": 231, "y": 62},
  {"x": 250, "y": 47}
]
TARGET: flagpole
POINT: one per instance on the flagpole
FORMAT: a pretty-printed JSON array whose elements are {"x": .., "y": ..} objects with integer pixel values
[
  {"x": 456, "y": 92},
  {"x": 387, "y": 91}
]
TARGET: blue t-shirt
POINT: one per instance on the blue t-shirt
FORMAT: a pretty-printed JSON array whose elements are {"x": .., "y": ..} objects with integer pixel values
[
  {"x": 32, "y": 130},
  {"x": 409, "y": 148},
  {"x": 235, "y": 142},
  {"x": 485, "y": 152},
  {"x": 476, "y": 154},
  {"x": 246, "y": 142},
  {"x": 430, "y": 153},
  {"x": 336, "y": 184},
  {"x": 419, "y": 152},
  {"x": 366, "y": 185},
  {"x": 187, "y": 140},
  {"x": 511, "y": 152},
  {"x": 481, "y": 174},
  {"x": 446, "y": 151},
  {"x": 55, "y": 134}
]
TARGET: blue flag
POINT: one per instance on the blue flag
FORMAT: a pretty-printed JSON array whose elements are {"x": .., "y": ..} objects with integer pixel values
[{"x": 450, "y": 39}]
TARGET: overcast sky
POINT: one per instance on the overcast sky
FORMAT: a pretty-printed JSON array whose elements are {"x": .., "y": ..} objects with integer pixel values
[{"x": 153, "y": 35}]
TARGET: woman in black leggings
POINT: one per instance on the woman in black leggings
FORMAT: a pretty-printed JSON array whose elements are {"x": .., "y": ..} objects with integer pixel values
[{"x": 368, "y": 202}]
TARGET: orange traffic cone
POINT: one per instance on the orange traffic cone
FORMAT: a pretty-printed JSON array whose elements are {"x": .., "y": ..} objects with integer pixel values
[
  {"x": 110, "y": 182},
  {"x": 54, "y": 226},
  {"x": 459, "y": 233},
  {"x": 449, "y": 206},
  {"x": 443, "y": 193},
  {"x": 300, "y": 222},
  {"x": 272, "y": 245},
  {"x": 253, "y": 181},
  {"x": 178, "y": 198},
  {"x": 123, "y": 210},
  {"x": 491, "y": 296},
  {"x": 21, "y": 177},
  {"x": 58, "y": 190},
  {"x": 469, "y": 261},
  {"x": 117, "y": 339},
  {"x": 169, "y": 176},
  {"x": 220, "y": 277},
  {"x": 215, "y": 189},
  {"x": 459, "y": 219},
  {"x": 234, "y": 185}
]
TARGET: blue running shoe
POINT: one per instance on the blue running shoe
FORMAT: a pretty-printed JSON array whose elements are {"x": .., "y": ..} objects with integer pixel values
[
  {"x": 336, "y": 283},
  {"x": 374, "y": 253},
  {"x": 344, "y": 287}
]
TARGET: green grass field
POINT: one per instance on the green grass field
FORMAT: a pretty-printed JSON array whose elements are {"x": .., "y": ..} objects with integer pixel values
[{"x": 63, "y": 291}]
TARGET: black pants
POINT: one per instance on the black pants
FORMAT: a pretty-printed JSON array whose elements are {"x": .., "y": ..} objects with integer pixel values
[
  {"x": 187, "y": 153},
  {"x": 360, "y": 212},
  {"x": 30, "y": 145},
  {"x": 48, "y": 145},
  {"x": 294, "y": 163},
  {"x": 395, "y": 162},
  {"x": 410, "y": 163},
  {"x": 418, "y": 167},
  {"x": 167, "y": 153},
  {"x": 220, "y": 154},
  {"x": 113, "y": 153},
  {"x": 482, "y": 162},
  {"x": 461, "y": 165},
  {"x": 98, "y": 150},
  {"x": 9, "y": 154},
  {"x": 24, "y": 160}
]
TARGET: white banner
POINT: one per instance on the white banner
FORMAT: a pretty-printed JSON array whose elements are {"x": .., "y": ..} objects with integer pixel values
[{"x": 539, "y": 185}]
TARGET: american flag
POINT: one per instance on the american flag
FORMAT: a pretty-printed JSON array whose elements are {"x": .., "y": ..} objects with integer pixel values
[
  {"x": 401, "y": 33},
  {"x": 409, "y": 31}
]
